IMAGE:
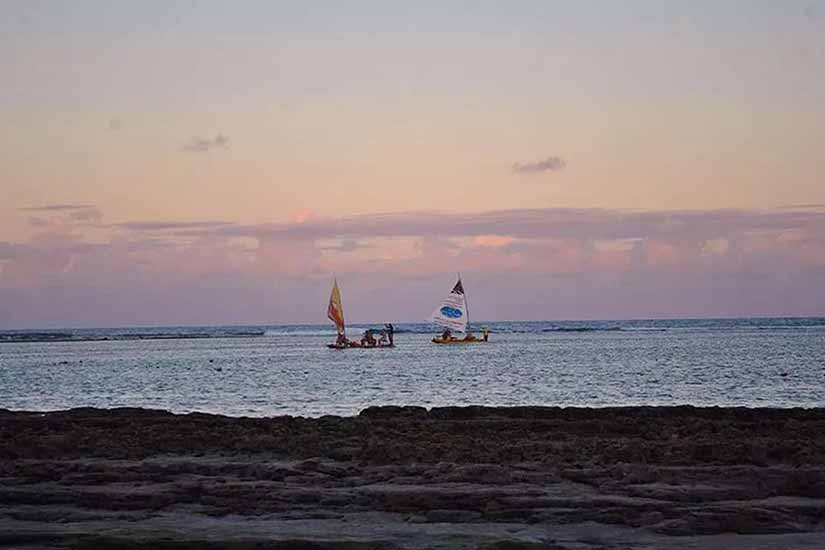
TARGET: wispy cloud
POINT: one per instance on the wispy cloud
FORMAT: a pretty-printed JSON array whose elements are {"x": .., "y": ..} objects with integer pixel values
[
  {"x": 534, "y": 224},
  {"x": 58, "y": 207},
  {"x": 802, "y": 206},
  {"x": 63, "y": 214},
  {"x": 171, "y": 225},
  {"x": 204, "y": 145},
  {"x": 86, "y": 215},
  {"x": 550, "y": 164}
]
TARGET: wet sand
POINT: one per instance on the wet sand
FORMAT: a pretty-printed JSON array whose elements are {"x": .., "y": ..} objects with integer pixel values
[{"x": 497, "y": 478}]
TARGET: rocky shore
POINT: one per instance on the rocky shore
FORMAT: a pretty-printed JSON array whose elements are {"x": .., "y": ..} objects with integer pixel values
[{"x": 404, "y": 477}]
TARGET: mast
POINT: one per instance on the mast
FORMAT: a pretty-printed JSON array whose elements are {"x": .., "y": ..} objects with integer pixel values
[{"x": 466, "y": 305}]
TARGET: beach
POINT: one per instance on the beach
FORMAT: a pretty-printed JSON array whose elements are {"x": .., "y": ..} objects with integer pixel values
[{"x": 409, "y": 477}]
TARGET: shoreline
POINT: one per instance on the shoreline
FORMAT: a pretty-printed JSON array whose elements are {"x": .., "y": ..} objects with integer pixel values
[
  {"x": 423, "y": 412},
  {"x": 408, "y": 477}
]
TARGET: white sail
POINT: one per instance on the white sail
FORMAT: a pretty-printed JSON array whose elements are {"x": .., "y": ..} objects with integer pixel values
[{"x": 452, "y": 313}]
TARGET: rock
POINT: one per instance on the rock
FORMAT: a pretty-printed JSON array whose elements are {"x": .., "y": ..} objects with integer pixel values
[
  {"x": 500, "y": 477},
  {"x": 452, "y": 516}
]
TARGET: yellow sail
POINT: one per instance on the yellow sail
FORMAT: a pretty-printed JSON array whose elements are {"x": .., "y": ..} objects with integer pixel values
[{"x": 335, "y": 311}]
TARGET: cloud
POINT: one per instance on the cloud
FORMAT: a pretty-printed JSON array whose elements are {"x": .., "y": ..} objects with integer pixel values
[
  {"x": 86, "y": 215},
  {"x": 60, "y": 214},
  {"x": 204, "y": 145},
  {"x": 550, "y": 164},
  {"x": 533, "y": 223},
  {"x": 494, "y": 241},
  {"x": 8, "y": 250},
  {"x": 803, "y": 206},
  {"x": 528, "y": 264},
  {"x": 38, "y": 222},
  {"x": 303, "y": 215},
  {"x": 171, "y": 225},
  {"x": 548, "y": 240},
  {"x": 58, "y": 207},
  {"x": 341, "y": 245}
]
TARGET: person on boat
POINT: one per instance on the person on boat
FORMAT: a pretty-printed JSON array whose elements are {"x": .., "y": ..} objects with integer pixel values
[
  {"x": 369, "y": 339},
  {"x": 390, "y": 332},
  {"x": 470, "y": 337},
  {"x": 447, "y": 335},
  {"x": 383, "y": 339},
  {"x": 485, "y": 333},
  {"x": 341, "y": 340}
]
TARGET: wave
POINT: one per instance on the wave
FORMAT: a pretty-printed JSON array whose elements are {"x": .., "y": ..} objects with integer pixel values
[
  {"x": 88, "y": 335},
  {"x": 791, "y": 327},
  {"x": 582, "y": 329},
  {"x": 288, "y": 332},
  {"x": 36, "y": 337}
]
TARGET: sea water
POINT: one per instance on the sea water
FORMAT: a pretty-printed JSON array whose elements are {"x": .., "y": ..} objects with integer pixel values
[{"x": 273, "y": 370}]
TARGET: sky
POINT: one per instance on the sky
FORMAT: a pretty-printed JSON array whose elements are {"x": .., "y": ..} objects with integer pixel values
[{"x": 184, "y": 162}]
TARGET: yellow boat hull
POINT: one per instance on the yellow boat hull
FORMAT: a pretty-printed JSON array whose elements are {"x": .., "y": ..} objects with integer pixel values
[{"x": 452, "y": 341}]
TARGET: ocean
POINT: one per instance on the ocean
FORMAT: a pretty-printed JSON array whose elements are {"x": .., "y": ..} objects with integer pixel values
[{"x": 277, "y": 370}]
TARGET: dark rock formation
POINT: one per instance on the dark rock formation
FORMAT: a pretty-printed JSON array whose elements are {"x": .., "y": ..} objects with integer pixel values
[{"x": 405, "y": 477}]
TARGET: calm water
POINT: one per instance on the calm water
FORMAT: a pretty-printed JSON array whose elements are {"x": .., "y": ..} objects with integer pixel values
[{"x": 259, "y": 371}]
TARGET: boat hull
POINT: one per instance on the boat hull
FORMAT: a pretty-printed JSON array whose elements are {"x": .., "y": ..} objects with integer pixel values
[
  {"x": 337, "y": 346},
  {"x": 458, "y": 341}
]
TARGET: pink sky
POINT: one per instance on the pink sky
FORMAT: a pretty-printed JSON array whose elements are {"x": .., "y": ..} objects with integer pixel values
[{"x": 166, "y": 163}]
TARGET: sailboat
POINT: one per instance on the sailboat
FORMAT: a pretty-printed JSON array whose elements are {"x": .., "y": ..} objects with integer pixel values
[
  {"x": 453, "y": 315},
  {"x": 335, "y": 313}
]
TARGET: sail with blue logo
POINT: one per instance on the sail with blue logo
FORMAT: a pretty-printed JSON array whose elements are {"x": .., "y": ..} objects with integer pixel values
[{"x": 452, "y": 313}]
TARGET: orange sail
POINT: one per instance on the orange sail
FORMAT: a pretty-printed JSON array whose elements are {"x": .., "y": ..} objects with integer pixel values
[{"x": 335, "y": 311}]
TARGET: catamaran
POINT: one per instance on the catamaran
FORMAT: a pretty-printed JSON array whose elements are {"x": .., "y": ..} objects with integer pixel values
[
  {"x": 335, "y": 313},
  {"x": 454, "y": 315}
]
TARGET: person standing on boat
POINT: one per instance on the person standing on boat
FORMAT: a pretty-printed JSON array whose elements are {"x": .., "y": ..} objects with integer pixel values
[
  {"x": 485, "y": 333},
  {"x": 390, "y": 332}
]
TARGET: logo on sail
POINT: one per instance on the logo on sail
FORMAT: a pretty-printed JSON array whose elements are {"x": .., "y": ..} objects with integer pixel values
[{"x": 451, "y": 312}]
